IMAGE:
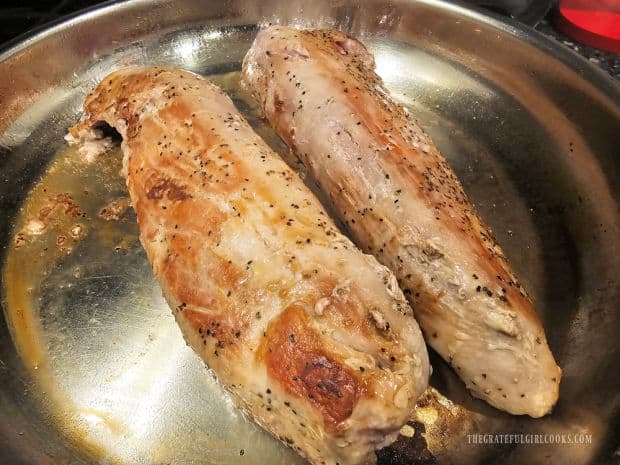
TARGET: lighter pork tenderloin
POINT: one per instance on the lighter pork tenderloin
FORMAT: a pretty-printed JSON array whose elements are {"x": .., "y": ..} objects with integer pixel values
[{"x": 400, "y": 200}]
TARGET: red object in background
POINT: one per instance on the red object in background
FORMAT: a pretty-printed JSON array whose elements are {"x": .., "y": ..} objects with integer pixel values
[{"x": 592, "y": 22}]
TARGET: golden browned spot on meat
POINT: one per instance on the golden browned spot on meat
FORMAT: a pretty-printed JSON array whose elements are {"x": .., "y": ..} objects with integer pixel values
[
  {"x": 183, "y": 214},
  {"x": 199, "y": 278},
  {"x": 198, "y": 217},
  {"x": 265, "y": 194},
  {"x": 224, "y": 273},
  {"x": 297, "y": 360},
  {"x": 159, "y": 186},
  {"x": 111, "y": 93},
  {"x": 224, "y": 329},
  {"x": 325, "y": 286}
]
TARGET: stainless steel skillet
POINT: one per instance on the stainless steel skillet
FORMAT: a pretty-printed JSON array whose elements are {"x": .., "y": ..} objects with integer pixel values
[{"x": 92, "y": 366}]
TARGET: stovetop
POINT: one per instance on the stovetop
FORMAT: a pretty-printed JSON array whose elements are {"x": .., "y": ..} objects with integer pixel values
[{"x": 19, "y": 16}]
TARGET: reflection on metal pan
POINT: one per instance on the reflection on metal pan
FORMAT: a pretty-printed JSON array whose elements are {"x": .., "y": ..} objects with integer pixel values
[{"x": 92, "y": 366}]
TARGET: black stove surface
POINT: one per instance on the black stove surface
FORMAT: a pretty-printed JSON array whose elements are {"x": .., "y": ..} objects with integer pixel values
[{"x": 17, "y": 17}]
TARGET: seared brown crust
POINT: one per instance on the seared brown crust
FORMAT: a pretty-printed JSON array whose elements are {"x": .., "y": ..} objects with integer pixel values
[
  {"x": 401, "y": 202},
  {"x": 276, "y": 301},
  {"x": 296, "y": 358}
]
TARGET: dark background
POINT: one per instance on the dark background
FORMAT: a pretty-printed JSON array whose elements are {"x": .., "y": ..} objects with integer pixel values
[{"x": 17, "y": 16}]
